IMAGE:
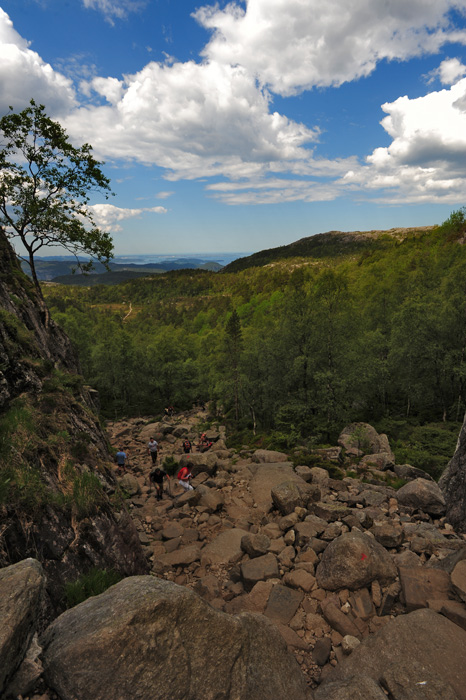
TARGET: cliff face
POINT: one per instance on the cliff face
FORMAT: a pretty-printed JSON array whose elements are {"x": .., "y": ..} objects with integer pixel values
[{"x": 56, "y": 484}]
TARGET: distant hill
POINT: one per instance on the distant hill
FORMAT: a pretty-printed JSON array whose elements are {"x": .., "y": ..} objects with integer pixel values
[
  {"x": 61, "y": 271},
  {"x": 332, "y": 244}
]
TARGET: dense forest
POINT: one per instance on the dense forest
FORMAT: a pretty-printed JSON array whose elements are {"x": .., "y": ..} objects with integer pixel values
[{"x": 296, "y": 347}]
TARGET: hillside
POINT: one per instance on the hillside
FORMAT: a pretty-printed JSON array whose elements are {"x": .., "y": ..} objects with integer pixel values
[{"x": 333, "y": 244}]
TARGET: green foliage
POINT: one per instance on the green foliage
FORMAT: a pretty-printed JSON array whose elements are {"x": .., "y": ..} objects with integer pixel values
[
  {"x": 170, "y": 465},
  {"x": 44, "y": 188},
  {"x": 87, "y": 493},
  {"x": 95, "y": 582}
]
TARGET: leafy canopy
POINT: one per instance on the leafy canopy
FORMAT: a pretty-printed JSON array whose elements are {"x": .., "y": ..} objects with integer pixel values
[{"x": 45, "y": 186}]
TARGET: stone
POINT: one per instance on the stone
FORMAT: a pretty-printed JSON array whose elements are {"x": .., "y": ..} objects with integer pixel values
[
  {"x": 353, "y": 561},
  {"x": 300, "y": 579},
  {"x": 406, "y": 471},
  {"x": 349, "y": 644},
  {"x": 292, "y": 494},
  {"x": 130, "y": 484},
  {"x": 360, "y": 687},
  {"x": 422, "y": 637},
  {"x": 338, "y": 620},
  {"x": 266, "y": 477},
  {"x": 21, "y": 589},
  {"x": 321, "y": 651},
  {"x": 420, "y": 583},
  {"x": 361, "y": 603},
  {"x": 224, "y": 548},
  {"x": 304, "y": 472},
  {"x": 422, "y": 495},
  {"x": 149, "y": 638},
  {"x": 330, "y": 511},
  {"x": 403, "y": 682},
  {"x": 387, "y": 533},
  {"x": 269, "y": 457},
  {"x": 256, "y": 545},
  {"x": 310, "y": 527},
  {"x": 172, "y": 530},
  {"x": 455, "y": 611},
  {"x": 259, "y": 569},
  {"x": 458, "y": 579},
  {"x": 181, "y": 557},
  {"x": 283, "y": 603}
]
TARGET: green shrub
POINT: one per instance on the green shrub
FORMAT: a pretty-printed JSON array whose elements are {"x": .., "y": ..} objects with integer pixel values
[
  {"x": 170, "y": 465},
  {"x": 87, "y": 493},
  {"x": 93, "y": 583}
]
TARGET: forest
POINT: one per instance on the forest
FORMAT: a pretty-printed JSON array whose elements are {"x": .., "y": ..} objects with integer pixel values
[{"x": 295, "y": 348}]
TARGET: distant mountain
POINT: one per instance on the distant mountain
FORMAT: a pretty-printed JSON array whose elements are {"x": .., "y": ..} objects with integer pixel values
[
  {"x": 333, "y": 244},
  {"x": 61, "y": 270}
]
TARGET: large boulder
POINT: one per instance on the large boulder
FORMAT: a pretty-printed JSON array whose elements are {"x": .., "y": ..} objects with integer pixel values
[
  {"x": 352, "y": 561},
  {"x": 364, "y": 438},
  {"x": 149, "y": 638},
  {"x": 422, "y": 495},
  {"x": 266, "y": 477},
  {"x": 224, "y": 548},
  {"x": 293, "y": 494},
  {"x": 269, "y": 456},
  {"x": 21, "y": 588},
  {"x": 453, "y": 484},
  {"x": 422, "y": 648}
]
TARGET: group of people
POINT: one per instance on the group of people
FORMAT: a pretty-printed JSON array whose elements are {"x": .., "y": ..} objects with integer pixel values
[{"x": 158, "y": 475}]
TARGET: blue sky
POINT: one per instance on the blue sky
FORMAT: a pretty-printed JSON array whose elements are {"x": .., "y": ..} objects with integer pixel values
[{"x": 246, "y": 125}]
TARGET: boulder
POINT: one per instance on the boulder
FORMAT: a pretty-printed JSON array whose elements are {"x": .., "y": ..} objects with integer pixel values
[
  {"x": 422, "y": 495},
  {"x": 225, "y": 548},
  {"x": 259, "y": 569},
  {"x": 266, "y": 477},
  {"x": 363, "y": 437},
  {"x": 360, "y": 687},
  {"x": 458, "y": 579},
  {"x": 282, "y": 604},
  {"x": 21, "y": 589},
  {"x": 149, "y": 638},
  {"x": 418, "y": 646},
  {"x": 453, "y": 484},
  {"x": 420, "y": 584},
  {"x": 406, "y": 471},
  {"x": 293, "y": 494},
  {"x": 352, "y": 561},
  {"x": 255, "y": 545},
  {"x": 269, "y": 456}
]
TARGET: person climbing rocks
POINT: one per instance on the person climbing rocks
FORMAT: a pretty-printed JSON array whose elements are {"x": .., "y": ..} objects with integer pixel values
[
  {"x": 156, "y": 477},
  {"x": 183, "y": 476},
  {"x": 120, "y": 459},
  {"x": 187, "y": 446},
  {"x": 152, "y": 448}
]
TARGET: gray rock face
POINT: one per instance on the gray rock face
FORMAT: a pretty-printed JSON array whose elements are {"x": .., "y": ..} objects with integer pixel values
[
  {"x": 148, "y": 638},
  {"x": 423, "y": 641},
  {"x": 453, "y": 484},
  {"x": 21, "y": 588},
  {"x": 423, "y": 495},
  {"x": 359, "y": 687},
  {"x": 352, "y": 561}
]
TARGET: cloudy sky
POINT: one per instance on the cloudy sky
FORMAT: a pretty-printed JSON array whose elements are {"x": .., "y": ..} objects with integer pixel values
[{"x": 246, "y": 125}]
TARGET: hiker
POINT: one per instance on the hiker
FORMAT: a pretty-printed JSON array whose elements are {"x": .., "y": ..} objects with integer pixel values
[
  {"x": 183, "y": 476},
  {"x": 205, "y": 446},
  {"x": 152, "y": 448},
  {"x": 187, "y": 446},
  {"x": 120, "y": 459},
  {"x": 169, "y": 411},
  {"x": 202, "y": 441},
  {"x": 156, "y": 477}
]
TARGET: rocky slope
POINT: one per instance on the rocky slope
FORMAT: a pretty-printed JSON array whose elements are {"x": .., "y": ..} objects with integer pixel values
[
  {"x": 364, "y": 584},
  {"x": 55, "y": 469}
]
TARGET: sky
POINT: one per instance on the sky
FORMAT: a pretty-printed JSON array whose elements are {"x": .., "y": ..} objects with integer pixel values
[{"x": 245, "y": 125}]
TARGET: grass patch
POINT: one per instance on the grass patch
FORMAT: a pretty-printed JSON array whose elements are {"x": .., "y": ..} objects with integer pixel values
[{"x": 93, "y": 583}]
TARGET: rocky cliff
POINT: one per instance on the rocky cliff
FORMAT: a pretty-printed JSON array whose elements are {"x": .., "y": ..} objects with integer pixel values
[{"x": 55, "y": 480}]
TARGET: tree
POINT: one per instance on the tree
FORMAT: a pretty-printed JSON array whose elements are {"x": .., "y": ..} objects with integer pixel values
[
  {"x": 234, "y": 346},
  {"x": 44, "y": 189}
]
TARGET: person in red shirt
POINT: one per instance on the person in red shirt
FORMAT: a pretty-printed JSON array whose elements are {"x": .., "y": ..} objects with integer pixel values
[{"x": 184, "y": 475}]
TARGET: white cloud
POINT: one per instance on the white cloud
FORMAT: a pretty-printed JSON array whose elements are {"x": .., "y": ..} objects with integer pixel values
[
  {"x": 24, "y": 75},
  {"x": 293, "y": 45},
  {"x": 449, "y": 71},
  {"x": 115, "y": 9},
  {"x": 108, "y": 216},
  {"x": 195, "y": 120}
]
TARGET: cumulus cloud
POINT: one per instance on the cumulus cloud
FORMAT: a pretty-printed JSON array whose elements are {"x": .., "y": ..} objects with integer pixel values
[
  {"x": 195, "y": 120},
  {"x": 449, "y": 71},
  {"x": 294, "y": 45},
  {"x": 108, "y": 216},
  {"x": 24, "y": 75}
]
